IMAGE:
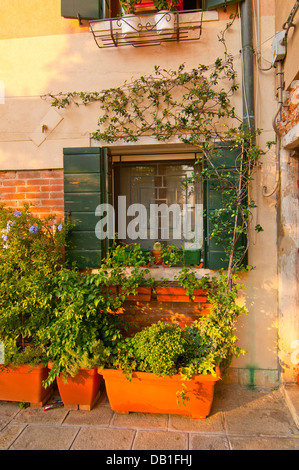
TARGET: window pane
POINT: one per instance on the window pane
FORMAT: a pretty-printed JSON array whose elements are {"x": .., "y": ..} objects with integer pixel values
[{"x": 172, "y": 208}]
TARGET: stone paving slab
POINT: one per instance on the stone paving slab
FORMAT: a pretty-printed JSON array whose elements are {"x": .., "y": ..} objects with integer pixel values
[
  {"x": 160, "y": 440},
  {"x": 9, "y": 435},
  {"x": 291, "y": 392},
  {"x": 100, "y": 416},
  {"x": 246, "y": 443},
  {"x": 141, "y": 421},
  {"x": 214, "y": 423},
  {"x": 104, "y": 439},
  {"x": 38, "y": 415},
  {"x": 37, "y": 437},
  {"x": 200, "y": 442},
  {"x": 259, "y": 422},
  {"x": 240, "y": 419}
]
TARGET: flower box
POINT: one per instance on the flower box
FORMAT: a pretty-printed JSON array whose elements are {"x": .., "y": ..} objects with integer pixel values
[
  {"x": 143, "y": 294},
  {"x": 25, "y": 384},
  {"x": 149, "y": 393},
  {"x": 174, "y": 293}
]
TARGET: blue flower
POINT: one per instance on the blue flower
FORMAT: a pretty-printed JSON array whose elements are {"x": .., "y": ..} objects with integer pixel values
[
  {"x": 17, "y": 214},
  {"x": 4, "y": 237},
  {"x": 33, "y": 229},
  {"x": 59, "y": 228}
]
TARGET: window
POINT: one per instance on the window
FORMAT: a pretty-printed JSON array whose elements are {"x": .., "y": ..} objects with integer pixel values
[
  {"x": 88, "y": 178},
  {"x": 97, "y": 9}
]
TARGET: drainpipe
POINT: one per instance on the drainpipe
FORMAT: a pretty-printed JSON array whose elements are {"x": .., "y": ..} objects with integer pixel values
[{"x": 247, "y": 54}]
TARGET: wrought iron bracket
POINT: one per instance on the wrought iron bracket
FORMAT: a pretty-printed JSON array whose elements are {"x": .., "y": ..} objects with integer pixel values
[{"x": 147, "y": 30}]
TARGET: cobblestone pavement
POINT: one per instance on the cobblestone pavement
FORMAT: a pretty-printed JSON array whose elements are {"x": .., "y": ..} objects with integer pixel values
[{"x": 241, "y": 419}]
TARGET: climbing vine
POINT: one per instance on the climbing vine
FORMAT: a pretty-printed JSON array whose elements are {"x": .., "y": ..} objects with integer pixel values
[{"x": 194, "y": 107}]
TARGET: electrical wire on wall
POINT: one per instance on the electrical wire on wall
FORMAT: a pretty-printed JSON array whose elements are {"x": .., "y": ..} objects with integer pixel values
[
  {"x": 257, "y": 9},
  {"x": 286, "y": 27},
  {"x": 276, "y": 129}
]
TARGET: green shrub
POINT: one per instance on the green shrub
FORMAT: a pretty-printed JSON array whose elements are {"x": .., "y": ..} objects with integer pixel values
[
  {"x": 31, "y": 252},
  {"x": 167, "y": 349},
  {"x": 83, "y": 324}
]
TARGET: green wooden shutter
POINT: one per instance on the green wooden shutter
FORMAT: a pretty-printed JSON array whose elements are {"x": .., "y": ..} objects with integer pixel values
[
  {"x": 87, "y": 183},
  {"x": 214, "y": 254},
  {"x": 86, "y": 9},
  {"x": 213, "y": 4}
]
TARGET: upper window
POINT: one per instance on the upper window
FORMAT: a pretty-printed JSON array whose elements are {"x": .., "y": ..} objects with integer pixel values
[{"x": 97, "y": 9}]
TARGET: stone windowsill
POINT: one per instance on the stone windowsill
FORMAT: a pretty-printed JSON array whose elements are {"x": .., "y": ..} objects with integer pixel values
[{"x": 170, "y": 274}]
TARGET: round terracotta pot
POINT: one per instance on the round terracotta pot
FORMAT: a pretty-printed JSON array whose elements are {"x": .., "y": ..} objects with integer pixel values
[{"x": 158, "y": 256}]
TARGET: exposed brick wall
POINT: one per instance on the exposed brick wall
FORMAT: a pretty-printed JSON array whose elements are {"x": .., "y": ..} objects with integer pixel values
[
  {"x": 42, "y": 188},
  {"x": 141, "y": 314},
  {"x": 290, "y": 110}
]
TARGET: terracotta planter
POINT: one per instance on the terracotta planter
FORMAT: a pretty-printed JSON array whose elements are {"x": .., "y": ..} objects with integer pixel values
[
  {"x": 165, "y": 21},
  {"x": 148, "y": 393},
  {"x": 24, "y": 384},
  {"x": 157, "y": 254},
  {"x": 173, "y": 293},
  {"x": 143, "y": 294},
  {"x": 145, "y": 7},
  {"x": 108, "y": 291},
  {"x": 82, "y": 391},
  {"x": 130, "y": 25}
]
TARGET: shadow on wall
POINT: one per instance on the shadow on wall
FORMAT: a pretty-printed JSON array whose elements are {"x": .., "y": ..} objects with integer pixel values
[{"x": 258, "y": 330}]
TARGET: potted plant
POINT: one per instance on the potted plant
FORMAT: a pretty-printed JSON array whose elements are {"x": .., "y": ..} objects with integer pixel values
[
  {"x": 31, "y": 253},
  {"x": 187, "y": 287},
  {"x": 159, "y": 358},
  {"x": 183, "y": 364},
  {"x": 125, "y": 269},
  {"x": 157, "y": 253},
  {"x": 78, "y": 335},
  {"x": 146, "y": 7},
  {"x": 164, "y": 19},
  {"x": 130, "y": 23}
]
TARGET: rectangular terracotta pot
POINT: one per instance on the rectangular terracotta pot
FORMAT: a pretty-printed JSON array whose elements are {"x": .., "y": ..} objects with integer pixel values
[
  {"x": 178, "y": 294},
  {"x": 82, "y": 391},
  {"x": 108, "y": 291},
  {"x": 149, "y": 393},
  {"x": 24, "y": 384},
  {"x": 143, "y": 294}
]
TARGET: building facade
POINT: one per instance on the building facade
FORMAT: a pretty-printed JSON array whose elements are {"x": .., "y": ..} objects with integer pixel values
[{"x": 48, "y": 48}]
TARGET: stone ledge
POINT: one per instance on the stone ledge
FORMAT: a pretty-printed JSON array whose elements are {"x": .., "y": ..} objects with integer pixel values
[{"x": 291, "y": 392}]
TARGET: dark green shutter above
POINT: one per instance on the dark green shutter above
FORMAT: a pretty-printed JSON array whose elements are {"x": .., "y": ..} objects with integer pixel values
[
  {"x": 87, "y": 184},
  {"x": 213, "y": 4},
  {"x": 214, "y": 254},
  {"x": 84, "y": 9}
]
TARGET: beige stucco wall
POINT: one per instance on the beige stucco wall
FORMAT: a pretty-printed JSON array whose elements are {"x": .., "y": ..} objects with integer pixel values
[
  {"x": 288, "y": 228},
  {"x": 283, "y": 10},
  {"x": 62, "y": 57}
]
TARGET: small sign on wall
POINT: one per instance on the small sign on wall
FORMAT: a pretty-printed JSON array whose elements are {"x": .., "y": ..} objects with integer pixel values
[{"x": 45, "y": 127}]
